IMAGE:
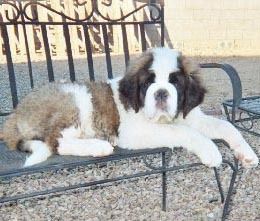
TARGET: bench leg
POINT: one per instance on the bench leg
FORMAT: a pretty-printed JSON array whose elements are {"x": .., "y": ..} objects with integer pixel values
[
  {"x": 227, "y": 200},
  {"x": 219, "y": 185},
  {"x": 164, "y": 183},
  {"x": 229, "y": 194}
]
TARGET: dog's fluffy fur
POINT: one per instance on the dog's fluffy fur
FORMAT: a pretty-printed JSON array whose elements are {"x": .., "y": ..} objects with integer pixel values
[{"x": 155, "y": 104}]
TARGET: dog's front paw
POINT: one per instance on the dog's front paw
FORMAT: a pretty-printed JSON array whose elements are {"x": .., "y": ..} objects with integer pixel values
[
  {"x": 246, "y": 155},
  {"x": 102, "y": 148},
  {"x": 211, "y": 157}
]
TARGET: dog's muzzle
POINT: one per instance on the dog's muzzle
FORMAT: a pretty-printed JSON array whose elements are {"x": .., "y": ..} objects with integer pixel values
[
  {"x": 161, "y": 102},
  {"x": 161, "y": 97}
]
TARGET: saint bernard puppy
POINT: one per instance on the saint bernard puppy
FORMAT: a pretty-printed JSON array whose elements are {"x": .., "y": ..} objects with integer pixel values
[{"x": 155, "y": 104}]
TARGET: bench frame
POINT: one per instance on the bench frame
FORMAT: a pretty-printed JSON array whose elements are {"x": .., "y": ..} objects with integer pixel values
[
  {"x": 245, "y": 114},
  {"x": 156, "y": 17}
]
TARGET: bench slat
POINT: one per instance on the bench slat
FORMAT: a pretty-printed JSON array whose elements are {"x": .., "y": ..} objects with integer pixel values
[
  {"x": 107, "y": 51},
  {"x": 10, "y": 66},
  {"x": 89, "y": 53},
  {"x": 69, "y": 52},
  {"x": 143, "y": 39},
  {"x": 47, "y": 53},
  {"x": 125, "y": 44}
]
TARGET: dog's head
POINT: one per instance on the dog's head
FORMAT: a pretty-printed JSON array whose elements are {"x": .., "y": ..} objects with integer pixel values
[{"x": 162, "y": 83}]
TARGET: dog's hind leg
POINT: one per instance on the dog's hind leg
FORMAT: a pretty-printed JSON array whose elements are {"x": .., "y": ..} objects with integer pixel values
[
  {"x": 84, "y": 147},
  {"x": 40, "y": 151}
]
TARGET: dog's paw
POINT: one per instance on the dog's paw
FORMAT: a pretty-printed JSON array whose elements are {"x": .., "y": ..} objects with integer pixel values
[
  {"x": 113, "y": 140},
  {"x": 30, "y": 161},
  {"x": 246, "y": 156},
  {"x": 102, "y": 148},
  {"x": 211, "y": 157}
]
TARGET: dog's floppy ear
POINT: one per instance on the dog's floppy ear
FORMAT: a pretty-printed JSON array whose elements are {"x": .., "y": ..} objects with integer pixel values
[
  {"x": 129, "y": 87},
  {"x": 194, "y": 91},
  {"x": 193, "y": 94},
  {"x": 129, "y": 92}
]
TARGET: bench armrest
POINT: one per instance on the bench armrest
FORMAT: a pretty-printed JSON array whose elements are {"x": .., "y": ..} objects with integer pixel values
[{"x": 235, "y": 80}]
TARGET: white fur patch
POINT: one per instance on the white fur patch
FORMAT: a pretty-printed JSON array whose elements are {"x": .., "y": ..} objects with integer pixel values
[
  {"x": 71, "y": 132},
  {"x": 164, "y": 62},
  {"x": 83, "y": 102},
  {"x": 135, "y": 132},
  {"x": 150, "y": 109},
  {"x": 40, "y": 152},
  {"x": 84, "y": 147}
]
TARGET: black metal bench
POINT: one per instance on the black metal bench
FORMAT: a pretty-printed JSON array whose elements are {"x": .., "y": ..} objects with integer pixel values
[{"x": 155, "y": 17}]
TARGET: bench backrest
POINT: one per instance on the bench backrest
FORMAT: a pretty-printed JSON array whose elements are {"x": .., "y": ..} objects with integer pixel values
[{"x": 33, "y": 22}]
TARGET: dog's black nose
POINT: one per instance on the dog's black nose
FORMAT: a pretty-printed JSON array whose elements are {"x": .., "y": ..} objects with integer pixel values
[{"x": 161, "y": 95}]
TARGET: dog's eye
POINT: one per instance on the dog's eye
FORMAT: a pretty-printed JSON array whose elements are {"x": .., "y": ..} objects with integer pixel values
[
  {"x": 174, "y": 77},
  {"x": 175, "y": 80}
]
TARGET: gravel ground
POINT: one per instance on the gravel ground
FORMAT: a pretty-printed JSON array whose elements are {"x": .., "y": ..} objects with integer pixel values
[{"x": 192, "y": 194}]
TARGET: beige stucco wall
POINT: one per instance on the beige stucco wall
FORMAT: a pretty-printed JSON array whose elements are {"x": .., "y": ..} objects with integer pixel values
[{"x": 214, "y": 27}]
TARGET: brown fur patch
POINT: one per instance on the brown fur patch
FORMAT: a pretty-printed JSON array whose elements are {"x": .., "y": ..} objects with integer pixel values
[
  {"x": 105, "y": 118},
  {"x": 144, "y": 60},
  {"x": 136, "y": 74},
  {"x": 190, "y": 90},
  {"x": 41, "y": 114},
  {"x": 189, "y": 66}
]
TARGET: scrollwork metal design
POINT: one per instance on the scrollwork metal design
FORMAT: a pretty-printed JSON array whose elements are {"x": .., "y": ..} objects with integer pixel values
[
  {"x": 23, "y": 10},
  {"x": 81, "y": 3},
  {"x": 123, "y": 17},
  {"x": 107, "y": 2},
  {"x": 29, "y": 4},
  {"x": 17, "y": 12}
]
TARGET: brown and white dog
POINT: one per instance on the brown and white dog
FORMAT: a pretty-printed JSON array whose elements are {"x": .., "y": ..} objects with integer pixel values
[{"x": 156, "y": 104}]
